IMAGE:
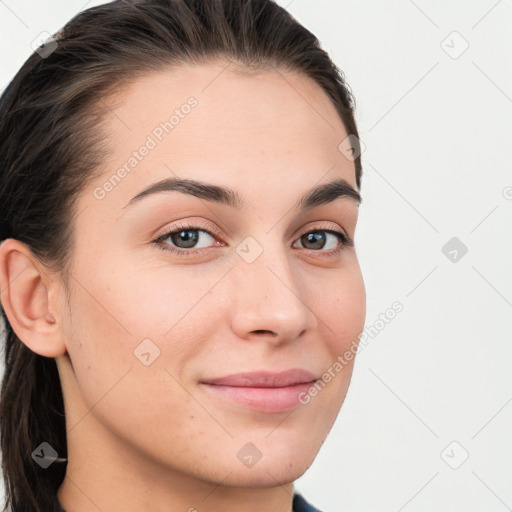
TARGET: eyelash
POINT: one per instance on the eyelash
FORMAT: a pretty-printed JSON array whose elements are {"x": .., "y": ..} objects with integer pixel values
[{"x": 344, "y": 240}]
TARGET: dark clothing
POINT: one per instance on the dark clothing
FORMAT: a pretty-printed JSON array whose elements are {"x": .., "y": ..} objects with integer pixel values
[{"x": 299, "y": 505}]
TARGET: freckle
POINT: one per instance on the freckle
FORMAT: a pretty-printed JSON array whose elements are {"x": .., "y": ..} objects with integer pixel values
[{"x": 191, "y": 417}]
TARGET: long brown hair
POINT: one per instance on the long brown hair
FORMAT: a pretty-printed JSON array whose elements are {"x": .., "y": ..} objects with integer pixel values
[{"x": 51, "y": 146}]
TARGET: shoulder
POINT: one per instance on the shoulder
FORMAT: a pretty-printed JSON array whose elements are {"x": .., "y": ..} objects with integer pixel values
[{"x": 301, "y": 505}]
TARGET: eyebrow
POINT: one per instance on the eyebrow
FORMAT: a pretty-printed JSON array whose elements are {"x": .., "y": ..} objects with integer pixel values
[{"x": 320, "y": 195}]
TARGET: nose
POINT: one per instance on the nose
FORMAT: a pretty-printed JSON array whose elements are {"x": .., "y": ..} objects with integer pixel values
[{"x": 270, "y": 300}]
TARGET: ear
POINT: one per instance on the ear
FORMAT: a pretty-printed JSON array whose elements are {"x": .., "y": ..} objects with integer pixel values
[{"x": 26, "y": 288}]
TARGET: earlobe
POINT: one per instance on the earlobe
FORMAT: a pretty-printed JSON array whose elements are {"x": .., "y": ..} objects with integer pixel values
[{"x": 25, "y": 292}]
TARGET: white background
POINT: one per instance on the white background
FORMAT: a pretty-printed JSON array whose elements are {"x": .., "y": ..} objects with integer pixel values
[{"x": 437, "y": 125}]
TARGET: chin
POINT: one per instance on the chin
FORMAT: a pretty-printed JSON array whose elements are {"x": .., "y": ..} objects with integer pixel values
[
  {"x": 281, "y": 459},
  {"x": 268, "y": 474}
]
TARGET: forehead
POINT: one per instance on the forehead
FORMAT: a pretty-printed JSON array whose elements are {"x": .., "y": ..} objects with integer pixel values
[
  {"x": 229, "y": 89},
  {"x": 216, "y": 122}
]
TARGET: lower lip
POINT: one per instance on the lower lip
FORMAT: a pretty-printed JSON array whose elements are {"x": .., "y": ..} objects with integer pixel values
[{"x": 266, "y": 400}]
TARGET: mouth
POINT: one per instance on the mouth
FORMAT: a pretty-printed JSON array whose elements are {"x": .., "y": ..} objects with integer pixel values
[{"x": 262, "y": 391}]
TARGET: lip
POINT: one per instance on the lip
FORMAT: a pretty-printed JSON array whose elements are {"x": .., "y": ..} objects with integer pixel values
[
  {"x": 265, "y": 379},
  {"x": 265, "y": 392}
]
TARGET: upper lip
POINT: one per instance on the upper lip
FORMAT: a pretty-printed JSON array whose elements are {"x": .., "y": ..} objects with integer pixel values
[{"x": 265, "y": 379}]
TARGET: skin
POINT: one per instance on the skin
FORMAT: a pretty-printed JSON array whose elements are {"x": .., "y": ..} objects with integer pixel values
[{"x": 149, "y": 437}]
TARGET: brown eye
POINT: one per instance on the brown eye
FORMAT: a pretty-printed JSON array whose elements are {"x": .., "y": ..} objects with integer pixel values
[{"x": 315, "y": 240}]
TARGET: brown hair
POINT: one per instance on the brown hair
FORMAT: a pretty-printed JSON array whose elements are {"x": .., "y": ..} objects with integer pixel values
[{"x": 51, "y": 147}]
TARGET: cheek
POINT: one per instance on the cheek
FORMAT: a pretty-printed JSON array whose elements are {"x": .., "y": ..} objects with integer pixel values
[
  {"x": 116, "y": 312},
  {"x": 152, "y": 297},
  {"x": 112, "y": 378},
  {"x": 97, "y": 343},
  {"x": 341, "y": 307}
]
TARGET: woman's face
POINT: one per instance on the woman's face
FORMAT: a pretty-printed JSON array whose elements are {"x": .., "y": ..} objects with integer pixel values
[{"x": 251, "y": 289}]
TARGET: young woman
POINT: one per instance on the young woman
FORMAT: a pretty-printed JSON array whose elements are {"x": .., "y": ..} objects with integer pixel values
[{"x": 179, "y": 192}]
